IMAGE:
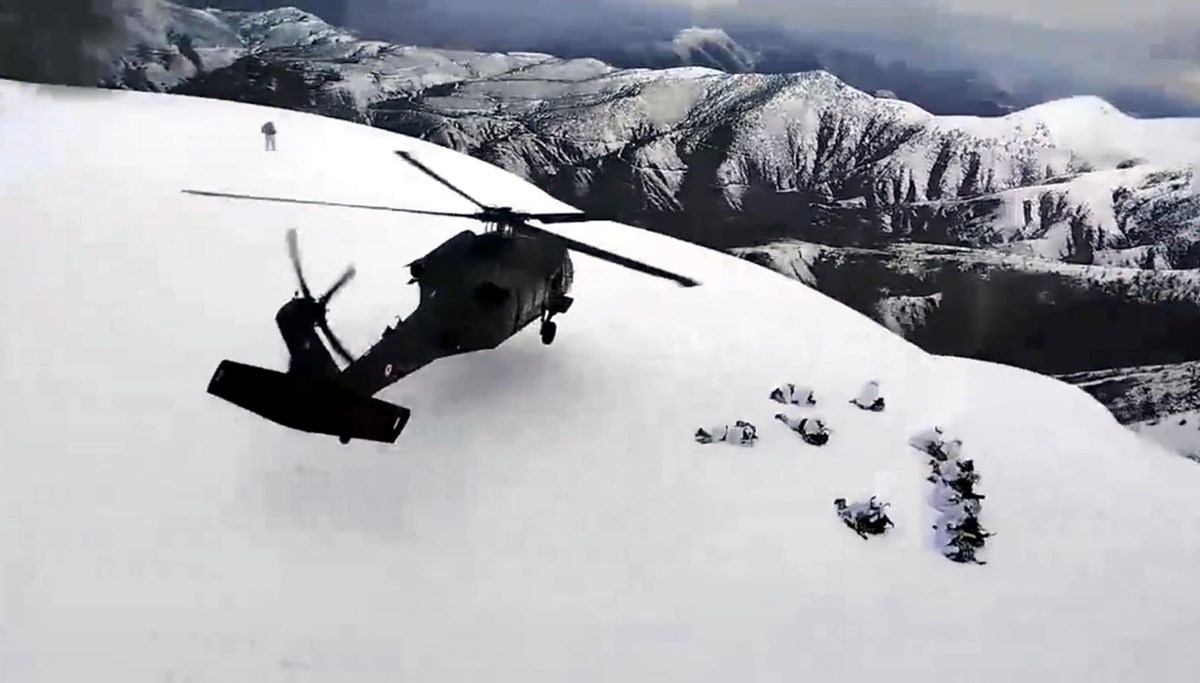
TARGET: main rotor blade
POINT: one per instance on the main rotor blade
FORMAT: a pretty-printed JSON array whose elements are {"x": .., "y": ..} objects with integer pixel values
[
  {"x": 432, "y": 174},
  {"x": 346, "y": 276},
  {"x": 611, "y": 257},
  {"x": 566, "y": 217},
  {"x": 294, "y": 254},
  {"x": 371, "y": 207}
]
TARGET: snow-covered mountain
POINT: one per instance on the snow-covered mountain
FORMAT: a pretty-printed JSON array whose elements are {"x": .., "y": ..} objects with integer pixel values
[
  {"x": 547, "y": 514},
  {"x": 936, "y": 74},
  {"x": 729, "y": 159}
]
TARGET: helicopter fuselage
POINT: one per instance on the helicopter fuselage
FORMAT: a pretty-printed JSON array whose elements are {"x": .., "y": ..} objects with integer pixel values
[{"x": 477, "y": 290}]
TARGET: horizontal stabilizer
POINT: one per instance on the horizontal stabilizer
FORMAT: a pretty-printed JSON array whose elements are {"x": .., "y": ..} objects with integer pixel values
[{"x": 316, "y": 405}]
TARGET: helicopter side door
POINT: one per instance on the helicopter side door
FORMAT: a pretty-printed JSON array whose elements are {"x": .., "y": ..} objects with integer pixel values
[{"x": 527, "y": 304}]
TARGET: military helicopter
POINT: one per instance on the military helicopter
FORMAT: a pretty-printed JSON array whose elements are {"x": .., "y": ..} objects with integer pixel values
[{"x": 476, "y": 291}]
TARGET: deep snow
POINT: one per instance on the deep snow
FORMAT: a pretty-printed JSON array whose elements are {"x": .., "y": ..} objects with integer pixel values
[
  {"x": 546, "y": 516},
  {"x": 1178, "y": 431}
]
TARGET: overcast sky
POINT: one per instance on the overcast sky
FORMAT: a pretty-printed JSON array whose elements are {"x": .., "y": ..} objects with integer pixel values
[
  {"x": 1126, "y": 41},
  {"x": 1113, "y": 41},
  {"x": 1050, "y": 13}
]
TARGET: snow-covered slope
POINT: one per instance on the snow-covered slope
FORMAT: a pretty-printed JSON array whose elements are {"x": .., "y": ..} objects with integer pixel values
[
  {"x": 1178, "y": 431},
  {"x": 547, "y": 515}
]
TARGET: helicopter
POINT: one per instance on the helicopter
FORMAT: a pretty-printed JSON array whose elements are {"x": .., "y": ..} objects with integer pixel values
[{"x": 476, "y": 291}]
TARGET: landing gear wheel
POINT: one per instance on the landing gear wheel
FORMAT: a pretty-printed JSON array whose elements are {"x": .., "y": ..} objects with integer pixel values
[
  {"x": 344, "y": 439},
  {"x": 549, "y": 329}
]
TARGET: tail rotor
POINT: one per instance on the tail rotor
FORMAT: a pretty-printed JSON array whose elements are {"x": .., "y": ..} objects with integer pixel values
[{"x": 320, "y": 304}]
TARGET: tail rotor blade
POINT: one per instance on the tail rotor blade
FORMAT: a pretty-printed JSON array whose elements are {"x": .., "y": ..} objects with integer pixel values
[
  {"x": 346, "y": 276},
  {"x": 294, "y": 253},
  {"x": 433, "y": 174},
  {"x": 334, "y": 341}
]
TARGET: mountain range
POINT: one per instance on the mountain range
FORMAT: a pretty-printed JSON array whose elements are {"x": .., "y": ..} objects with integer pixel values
[
  {"x": 939, "y": 76},
  {"x": 1062, "y": 237}
]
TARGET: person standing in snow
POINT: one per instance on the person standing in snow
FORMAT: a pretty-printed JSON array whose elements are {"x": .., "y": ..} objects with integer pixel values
[
  {"x": 268, "y": 131},
  {"x": 868, "y": 397},
  {"x": 741, "y": 433},
  {"x": 811, "y": 429}
]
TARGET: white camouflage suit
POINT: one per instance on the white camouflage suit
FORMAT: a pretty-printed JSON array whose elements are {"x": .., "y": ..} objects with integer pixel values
[
  {"x": 740, "y": 433},
  {"x": 813, "y": 429},
  {"x": 792, "y": 394}
]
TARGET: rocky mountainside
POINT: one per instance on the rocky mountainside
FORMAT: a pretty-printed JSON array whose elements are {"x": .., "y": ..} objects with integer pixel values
[
  {"x": 724, "y": 159},
  {"x": 1059, "y": 238},
  {"x": 1162, "y": 402},
  {"x": 1048, "y": 316},
  {"x": 939, "y": 76},
  {"x": 1140, "y": 394}
]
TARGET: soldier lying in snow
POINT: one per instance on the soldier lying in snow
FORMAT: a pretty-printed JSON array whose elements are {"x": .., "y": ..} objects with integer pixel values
[
  {"x": 957, "y": 548},
  {"x": 959, "y": 476},
  {"x": 741, "y": 433},
  {"x": 933, "y": 442},
  {"x": 947, "y": 451},
  {"x": 811, "y": 429},
  {"x": 944, "y": 498},
  {"x": 945, "y": 470},
  {"x": 790, "y": 394},
  {"x": 958, "y": 533},
  {"x": 864, "y": 518},
  {"x": 928, "y": 441},
  {"x": 868, "y": 397}
]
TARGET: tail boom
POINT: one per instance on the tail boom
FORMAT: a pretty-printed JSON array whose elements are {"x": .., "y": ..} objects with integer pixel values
[{"x": 318, "y": 405}]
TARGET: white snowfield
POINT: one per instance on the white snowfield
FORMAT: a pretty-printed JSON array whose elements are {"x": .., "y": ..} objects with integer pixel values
[{"x": 547, "y": 515}]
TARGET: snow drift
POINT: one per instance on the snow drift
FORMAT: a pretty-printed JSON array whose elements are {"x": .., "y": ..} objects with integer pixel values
[{"x": 547, "y": 515}]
